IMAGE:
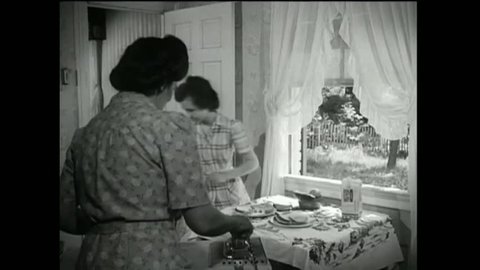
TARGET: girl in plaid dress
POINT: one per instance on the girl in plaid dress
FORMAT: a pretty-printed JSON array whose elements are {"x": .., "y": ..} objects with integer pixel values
[{"x": 218, "y": 138}]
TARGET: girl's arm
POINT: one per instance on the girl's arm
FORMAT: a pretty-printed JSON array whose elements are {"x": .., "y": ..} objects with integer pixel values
[{"x": 248, "y": 162}]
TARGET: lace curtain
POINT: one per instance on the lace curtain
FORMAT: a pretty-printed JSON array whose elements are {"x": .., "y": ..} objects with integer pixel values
[
  {"x": 300, "y": 34},
  {"x": 383, "y": 41}
]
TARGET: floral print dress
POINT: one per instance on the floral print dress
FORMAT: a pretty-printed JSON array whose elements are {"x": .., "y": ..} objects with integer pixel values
[{"x": 137, "y": 163}]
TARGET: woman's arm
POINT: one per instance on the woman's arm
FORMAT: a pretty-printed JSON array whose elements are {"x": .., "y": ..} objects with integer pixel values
[
  {"x": 68, "y": 218},
  {"x": 248, "y": 162},
  {"x": 208, "y": 221},
  {"x": 186, "y": 186}
]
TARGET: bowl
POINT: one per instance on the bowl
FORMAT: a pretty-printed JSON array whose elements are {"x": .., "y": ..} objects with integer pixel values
[
  {"x": 309, "y": 205},
  {"x": 309, "y": 201}
]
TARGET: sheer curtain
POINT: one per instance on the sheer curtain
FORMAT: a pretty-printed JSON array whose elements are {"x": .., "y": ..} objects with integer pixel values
[
  {"x": 383, "y": 41},
  {"x": 300, "y": 37},
  {"x": 382, "y": 38}
]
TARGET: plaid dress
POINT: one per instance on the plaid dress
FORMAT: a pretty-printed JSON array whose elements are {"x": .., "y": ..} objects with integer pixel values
[{"x": 216, "y": 145}]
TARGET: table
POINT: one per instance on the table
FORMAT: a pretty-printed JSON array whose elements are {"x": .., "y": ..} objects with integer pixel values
[{"x": 326, "y": 245}]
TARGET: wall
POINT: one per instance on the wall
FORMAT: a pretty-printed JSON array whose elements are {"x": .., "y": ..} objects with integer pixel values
[
  {"x": 254, "y": 49},
  {"x": 139, "y": 25},
  {"x": 68, "y": 113},
  {"x": 68, "y": 93}
]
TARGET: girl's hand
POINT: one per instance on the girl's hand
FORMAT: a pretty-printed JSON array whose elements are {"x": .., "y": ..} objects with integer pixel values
[{"x": 217, "y": 178}]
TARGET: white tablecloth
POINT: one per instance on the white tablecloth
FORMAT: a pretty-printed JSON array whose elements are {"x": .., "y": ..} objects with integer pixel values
[{"x": 361, "y": 246}]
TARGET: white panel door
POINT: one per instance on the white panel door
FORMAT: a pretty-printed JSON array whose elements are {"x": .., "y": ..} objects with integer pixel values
[{"x": 208, "y": 32}]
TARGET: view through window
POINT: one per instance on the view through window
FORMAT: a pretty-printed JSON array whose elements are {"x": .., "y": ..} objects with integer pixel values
[{"x": 339, "y": 142}]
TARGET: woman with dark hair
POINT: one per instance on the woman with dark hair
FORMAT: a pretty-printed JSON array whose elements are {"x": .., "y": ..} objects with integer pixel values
[
  {"x": 218, "y": 137},
  {"x": 134, "y": 169}
]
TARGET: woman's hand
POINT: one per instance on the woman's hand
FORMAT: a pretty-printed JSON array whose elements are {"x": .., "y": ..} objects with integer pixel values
[{"x": 242, "y": 228}]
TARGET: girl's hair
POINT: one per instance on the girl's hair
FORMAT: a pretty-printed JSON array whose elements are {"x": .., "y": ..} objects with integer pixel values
[
  {"x": 200, "y": 91},
  {"x": 150, "y": 63}
]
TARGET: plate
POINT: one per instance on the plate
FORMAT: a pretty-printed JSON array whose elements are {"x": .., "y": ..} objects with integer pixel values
[
  {"x": 304, "y": 225},
  {"x": 282, "y": 207},
  {"x": 253, "y": 211}
]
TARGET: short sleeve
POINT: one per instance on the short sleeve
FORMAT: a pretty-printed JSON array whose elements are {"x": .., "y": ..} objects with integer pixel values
[
  {"x": 67, "y": 189},
  {"x": 181, "y": 161},
  {"x": 239, "y": 138},
  {"x": 67, "y": 183}
]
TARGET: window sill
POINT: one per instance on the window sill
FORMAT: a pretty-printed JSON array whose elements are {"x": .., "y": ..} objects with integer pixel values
[{"x": 371, "y": 195}]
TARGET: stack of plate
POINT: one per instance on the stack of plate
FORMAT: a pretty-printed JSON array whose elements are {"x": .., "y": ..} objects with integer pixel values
[
  {"x": 293, "y": 219},
  {"x": 282, "y": 207}
]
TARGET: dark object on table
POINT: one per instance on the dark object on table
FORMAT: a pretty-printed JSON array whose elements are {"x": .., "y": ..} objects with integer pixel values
[
  {"x": 239, "y": 254},
  {"x": 348, "y": 217},
  {"x": 237, "y": 249},
  {"x": 309, "y": 201}
]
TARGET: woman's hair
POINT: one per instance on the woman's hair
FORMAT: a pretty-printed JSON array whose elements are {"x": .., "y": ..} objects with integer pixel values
[
  {"x": 200, "y": 91},
  {"x": 150, "y": 63}
]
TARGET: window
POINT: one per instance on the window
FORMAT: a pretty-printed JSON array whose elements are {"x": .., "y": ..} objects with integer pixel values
[{"x": 339, "y": 142}]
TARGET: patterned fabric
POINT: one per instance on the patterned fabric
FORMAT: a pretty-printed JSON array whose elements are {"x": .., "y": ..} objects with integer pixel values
[
  {"x": 363, "y": 237},
  {"x": 216, "y": 145},
  {"x": 330, "y": 242},
  {"x": 136, "y": 163}
]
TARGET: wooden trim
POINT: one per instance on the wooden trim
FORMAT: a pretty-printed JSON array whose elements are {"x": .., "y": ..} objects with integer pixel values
[
  {"x": 82, "y": 57},
  {"x": 229, "y": 72},
  {"x": 238, "y": 65},
  {"x": 304, "y": 150},
  {"x": 371, "y": 195},
  {"x": 132, "y": 7}
]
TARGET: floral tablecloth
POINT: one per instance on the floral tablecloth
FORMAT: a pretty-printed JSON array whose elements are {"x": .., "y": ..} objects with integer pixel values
[{"x": 369, "y": 242}]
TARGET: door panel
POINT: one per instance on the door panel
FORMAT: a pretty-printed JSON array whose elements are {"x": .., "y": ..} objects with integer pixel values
[{"x": 208, "y": 32}]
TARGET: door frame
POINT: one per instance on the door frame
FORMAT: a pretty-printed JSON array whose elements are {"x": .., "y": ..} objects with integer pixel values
[{"x": 82, "y": 56}]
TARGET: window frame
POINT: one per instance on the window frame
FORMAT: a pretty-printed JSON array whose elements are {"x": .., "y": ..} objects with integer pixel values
[
  {"x": 371, "y": 195},
  {"x": 393, "y": 198},
  {"x": 330, "y": 188}
]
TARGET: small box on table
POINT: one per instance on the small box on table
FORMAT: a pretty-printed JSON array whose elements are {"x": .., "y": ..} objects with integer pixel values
[{"x": 351, "y": 196}]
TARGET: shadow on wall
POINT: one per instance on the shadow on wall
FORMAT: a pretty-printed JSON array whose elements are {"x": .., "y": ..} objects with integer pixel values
[{"x": 253, "y": 182}]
